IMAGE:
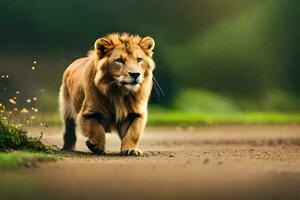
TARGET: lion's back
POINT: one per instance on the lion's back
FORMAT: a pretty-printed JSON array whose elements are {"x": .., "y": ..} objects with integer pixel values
[{"x": 72, "y": 84}]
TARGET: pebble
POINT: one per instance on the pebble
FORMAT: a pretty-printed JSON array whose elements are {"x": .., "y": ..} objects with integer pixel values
[{"x": 206, "y": 161}]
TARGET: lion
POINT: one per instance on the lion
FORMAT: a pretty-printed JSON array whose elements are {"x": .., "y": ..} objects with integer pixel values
[{"x": 109, "y": 89}]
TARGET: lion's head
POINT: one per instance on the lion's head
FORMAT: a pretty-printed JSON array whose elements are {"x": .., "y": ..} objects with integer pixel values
[{"x": 123, "y": 61}]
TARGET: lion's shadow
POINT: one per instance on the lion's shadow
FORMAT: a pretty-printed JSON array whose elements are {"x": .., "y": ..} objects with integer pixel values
[
  {"x": 84, "y": 154},
  {"x": 77, "y": 153}
]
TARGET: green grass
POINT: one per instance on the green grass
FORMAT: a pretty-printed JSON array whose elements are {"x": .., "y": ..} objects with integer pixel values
[
  {"x": 14, "y": 159},
  {"x": 177, "y": 118},
  {"x": 167, "y": 117}
]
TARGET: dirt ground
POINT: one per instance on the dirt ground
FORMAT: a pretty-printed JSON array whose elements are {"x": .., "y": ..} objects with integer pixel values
[{"x": 209, "y": 162}]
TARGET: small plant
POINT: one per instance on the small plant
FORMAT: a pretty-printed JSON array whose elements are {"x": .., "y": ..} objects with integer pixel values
[
  {"x": 15, "y": 117},
  {"x": 14, "y": 137}
]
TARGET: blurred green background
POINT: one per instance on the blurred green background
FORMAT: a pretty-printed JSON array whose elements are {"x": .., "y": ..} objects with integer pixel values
[{"x": 217, "y": 61}]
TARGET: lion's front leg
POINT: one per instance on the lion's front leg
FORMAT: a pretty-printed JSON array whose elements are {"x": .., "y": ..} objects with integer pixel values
[
  {"x": 130, "y": 139},
  {"x": 95, "y": 132}
]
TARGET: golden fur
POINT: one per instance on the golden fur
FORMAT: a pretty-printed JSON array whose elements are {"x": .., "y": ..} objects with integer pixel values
[{"x": 101, "y": 92}]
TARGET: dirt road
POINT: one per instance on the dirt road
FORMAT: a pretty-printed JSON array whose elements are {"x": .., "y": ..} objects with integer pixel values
[{"x": 213, "y": 162}]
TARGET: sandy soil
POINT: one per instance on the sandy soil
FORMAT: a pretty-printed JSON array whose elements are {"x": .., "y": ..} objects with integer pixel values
[{"x": 213, "y": 162}]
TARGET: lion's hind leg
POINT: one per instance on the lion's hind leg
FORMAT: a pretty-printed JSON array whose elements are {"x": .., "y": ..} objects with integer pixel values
[
  {"x": 68, "y": 119},
  {"x": 70, "y": 134}
]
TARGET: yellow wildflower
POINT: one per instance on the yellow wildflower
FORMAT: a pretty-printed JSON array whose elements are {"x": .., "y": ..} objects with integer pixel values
[
  {"x": 24, "y": 110},
  {"x": 12, "y": 101}
]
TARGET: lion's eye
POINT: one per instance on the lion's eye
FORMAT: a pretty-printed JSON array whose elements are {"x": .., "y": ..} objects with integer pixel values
[
  {"x": 139, "y": 60},
  {"x": 119, "y": 60}
]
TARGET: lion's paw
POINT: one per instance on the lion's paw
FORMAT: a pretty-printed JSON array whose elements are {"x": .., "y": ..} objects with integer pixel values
[
  {"x": 93, "y": 148},
  {"x": 131, "y": 152}
]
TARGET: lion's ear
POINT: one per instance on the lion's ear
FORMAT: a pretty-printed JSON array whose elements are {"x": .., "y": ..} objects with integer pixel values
[
  {"x": 103, "y": 46},
  {"x": 147, "y": 44}
]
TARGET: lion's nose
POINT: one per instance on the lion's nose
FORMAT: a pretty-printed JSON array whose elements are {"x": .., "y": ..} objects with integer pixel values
[{"x": 134, "y": 75}]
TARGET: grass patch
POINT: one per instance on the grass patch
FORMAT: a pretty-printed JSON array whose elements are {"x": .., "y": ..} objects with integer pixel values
[
  {"x": 19, "y": 158},
  {"x": 160, "y": 117},
  {"x": 177, "y": 118}
]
